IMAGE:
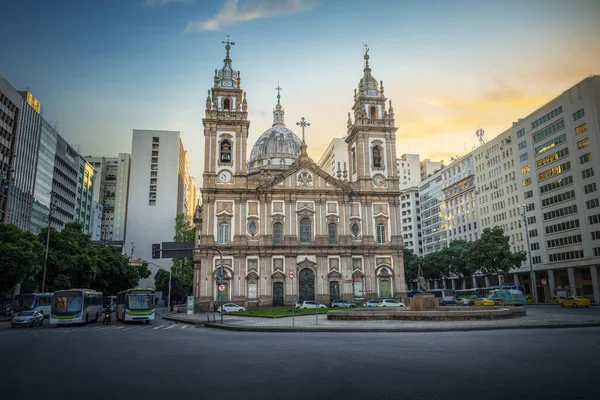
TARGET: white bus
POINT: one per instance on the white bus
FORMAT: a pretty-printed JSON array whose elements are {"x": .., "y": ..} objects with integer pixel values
[
  {"x": 76, "y": 306},
  {"x": 136, "y": 305},
  {"x": 32, "y": 302}
]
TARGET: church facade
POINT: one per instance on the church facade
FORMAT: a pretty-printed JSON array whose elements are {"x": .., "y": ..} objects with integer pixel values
[{"x": 277, "y": 211}]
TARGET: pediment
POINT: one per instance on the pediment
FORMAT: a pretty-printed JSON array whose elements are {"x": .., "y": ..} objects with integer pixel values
[
  {"x": 334, "y": 274},
  {"x": 303, "y": 166},
  {"x": 277, "y": 275}
]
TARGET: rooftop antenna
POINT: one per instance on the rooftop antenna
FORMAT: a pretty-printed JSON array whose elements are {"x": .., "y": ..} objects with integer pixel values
[{"x": 480, "y": 133}]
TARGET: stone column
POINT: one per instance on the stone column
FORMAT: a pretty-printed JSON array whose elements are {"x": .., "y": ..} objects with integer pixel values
[
  {"x": 453, "y": 281},
  {"x": 487, "y": 281},
  {"x": 474, "y": 282},
  {"x": 595, "y": 287},
  {"x": 435, "y": 284},
  {"x": 464, "y": 283},
  {"x": 571, "y": 273},
  {"x": 516, "y": 278},
  {"x": 551, "y": 282}
]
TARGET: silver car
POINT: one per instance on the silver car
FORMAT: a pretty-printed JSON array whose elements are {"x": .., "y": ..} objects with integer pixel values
[
  {"x": 390, "y": 303},
  {"x": 371, "y": 303},
  {"x": 312, "y": 304},
  {"x": 231, "y": 307},
  {"x": 28, "y": 318}
]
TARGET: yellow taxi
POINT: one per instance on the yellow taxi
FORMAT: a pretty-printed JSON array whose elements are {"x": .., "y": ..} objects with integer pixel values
[
  {"x": 575, "y": 301},
  {"x": 484, "y": 302},
  {"x": 556, "y": 300}
]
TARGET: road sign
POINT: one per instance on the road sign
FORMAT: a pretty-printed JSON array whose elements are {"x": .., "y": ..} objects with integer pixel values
[
  {"x": 221, "y": 288},
  {"x": 291, "y": 274},
  {"x": 544, "y": 282}
]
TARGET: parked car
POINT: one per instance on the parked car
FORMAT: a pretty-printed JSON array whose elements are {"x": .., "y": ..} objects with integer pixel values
[
  {"x": 298, "y": 303},
  {"x": 312, "y": 304},
  {"x": 484, "y": 302},
  {"x": 575, "y": 301},
  {"x": 342, "y": 304},
  {"x": 230, "y": 307},
  {"x": 390, "y": 303},
  {"x": 556, "y": 300},
  {"x": 465, "y": 302},
  {"x": 28, "y": 318},
  {"x": 371, "y": 303}
]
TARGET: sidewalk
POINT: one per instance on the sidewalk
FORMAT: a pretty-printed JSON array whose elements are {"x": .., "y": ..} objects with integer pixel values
[{"x": 537, "y": 318}]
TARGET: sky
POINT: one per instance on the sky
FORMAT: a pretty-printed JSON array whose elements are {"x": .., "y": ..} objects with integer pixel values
[{"x": 103, "y": 68}]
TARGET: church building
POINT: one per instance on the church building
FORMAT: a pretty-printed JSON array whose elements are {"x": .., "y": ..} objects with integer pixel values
[{"x": 278, "y": 211}]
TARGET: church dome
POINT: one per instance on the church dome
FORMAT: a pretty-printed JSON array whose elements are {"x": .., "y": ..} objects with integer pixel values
[
  {"x": 278, "y": 147},
  {"x": 368, "y": 85}
]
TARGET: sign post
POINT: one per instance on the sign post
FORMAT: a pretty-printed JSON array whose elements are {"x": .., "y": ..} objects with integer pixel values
[
  {"x": 190, "y": 305},
  {"x": 291, "y": 275}
]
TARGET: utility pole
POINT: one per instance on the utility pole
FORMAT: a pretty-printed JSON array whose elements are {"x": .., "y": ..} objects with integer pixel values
[
  {"x": 52, "y": 204},
  {"x": 532, "y": 280}
]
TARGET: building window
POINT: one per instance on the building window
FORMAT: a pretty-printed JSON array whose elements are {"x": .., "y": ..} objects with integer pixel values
[
  {"x": 155, "y": 139},
  {"x": 533, "y": 233},
  {"x": 525, "y": 169},
  {"x": 591, "y": 188},
  {"x": 223, "y": 233},
  {"x": 536, "y": 260},
  {"x": 583, "y": 143},
  {"x": 550, "y": 144},
  {"x": 522, "y": 144},
  {"x": 595, "y": 235},
  {"x": 587, "y": 173},
  {"x": 373, "y": 112},
  {"x": 578, "y": 114},
  {"x": 151, "y": 202},
  {"x": 592, "y": 204},
  {"x": 580, "y": 129},
  {"x": 252, "y": 291},
  {"x": 226, "y": 104},
  {"x": 377, "y": 157},
  {"x": 277, "y": 233},
  {"x": 535, "y": 246},
  {"x": 381, "y": 234},
  {"x": 526, "y": 182},
  {"x": 332, "y": 234},
  {"x": 305, "y": 231},
  {"x": 520, "y": 133},
  {"x": 548, "y": 131},
  {"x": 594, "y": 219},
  {"x": 252, "y": 228},
  {"x": 355, "y": 228},
  {"x": 524, "y": 157},
  {"x": 225, "y": 151},
  {"x": 585, "y": 158}
]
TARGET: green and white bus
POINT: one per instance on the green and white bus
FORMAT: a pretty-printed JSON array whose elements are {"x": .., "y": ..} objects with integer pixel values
[
  {"x": 76, "y": 306},
  {"x": 135, "y": 305}
]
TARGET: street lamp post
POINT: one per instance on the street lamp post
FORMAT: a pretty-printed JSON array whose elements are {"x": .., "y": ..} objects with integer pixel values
[
  {"x": 531, "y": 273},
  {"x": 52, "y": 204}
]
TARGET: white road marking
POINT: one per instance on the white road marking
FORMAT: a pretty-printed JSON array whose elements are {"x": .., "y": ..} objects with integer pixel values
[
  {"x": 184, "y": 326},
  {"x": 158, "y": 327},
  {"x": 128, "y": 329},
  {"x": 169, "y": 327}
]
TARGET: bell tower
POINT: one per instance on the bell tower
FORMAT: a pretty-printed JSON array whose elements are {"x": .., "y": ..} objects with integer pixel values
[
  {"x": 225, "y": 127},
  {"x": 371, "y": 135}
]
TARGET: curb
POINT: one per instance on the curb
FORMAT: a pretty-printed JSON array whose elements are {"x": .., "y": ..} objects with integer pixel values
[
  {"x": 363, "y": 330},
  {"x": 184, "y": 321}
]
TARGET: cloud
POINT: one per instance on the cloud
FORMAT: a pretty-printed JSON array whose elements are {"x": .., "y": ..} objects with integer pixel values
[
  {"x": 160, "y": 3},
  {"x": 235, "y": 11}
]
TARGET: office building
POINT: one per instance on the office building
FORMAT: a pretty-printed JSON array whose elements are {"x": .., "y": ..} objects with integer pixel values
[
  {"x": 157, "y": 194},
  {"x": 111, "y": 193},
  {"x": 84, "y": 202},
  {"x": 335, "y": 158},
  {"x": 428, "y": 168},
  {"x": 65, "y": 180},
  {"x": 409, "y": 170},
  {"x": 411, "y": 219},
  {"x": 10, "y": 105}
]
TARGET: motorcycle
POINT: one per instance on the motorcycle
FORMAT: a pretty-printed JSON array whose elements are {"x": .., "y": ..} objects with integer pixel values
[{"x": 107, "y": 318}]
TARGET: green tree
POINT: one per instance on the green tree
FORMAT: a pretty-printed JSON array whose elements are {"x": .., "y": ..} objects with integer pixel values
[
  {"x": 183, "y": 268},
  {"x": 491, "y": 253},
  {"x": 115, "y": 273},
  {"x": 456, "y": 258},
  {"x": 433, "y": 265},
  {"x": 21, "y": 256},
  {"x": 411, "y": 265}
]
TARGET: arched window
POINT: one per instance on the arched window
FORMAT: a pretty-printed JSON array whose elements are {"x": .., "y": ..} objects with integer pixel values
[
  {"x": 332, "y": 234},
  {"x": 377, "y": 157},
  {"x": 277, "y": 233},
  {"x": 226, "y": 151},
  {"x": 380, "y": 233},
  {"x": 373, "y": 112},
  {"x": 227, "y": 104},
  {"x": 223, "y": 233},
  {"x": 305, "y": 235}
]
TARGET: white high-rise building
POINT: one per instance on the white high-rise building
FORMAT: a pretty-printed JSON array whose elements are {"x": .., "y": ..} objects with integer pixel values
[
  {"x": 335, "y": 158},
  {"x": 428, "y": 168},
  {"x": 111, "y": 192},
  {"x": 411, "y": 219},
  {"x": 157, "y": 194},
  {"x": 409, "y": 170}
]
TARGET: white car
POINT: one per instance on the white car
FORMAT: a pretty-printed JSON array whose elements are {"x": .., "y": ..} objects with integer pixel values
[
  {"x": 371, "y": 303},
  {"x": 390, "y": 303},
  {"x": 230, "y": 307},
  {"x": 312, "y": 304}
]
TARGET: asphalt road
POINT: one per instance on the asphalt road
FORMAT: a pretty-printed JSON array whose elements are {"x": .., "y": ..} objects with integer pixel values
[{"x": 163, "y": 361}]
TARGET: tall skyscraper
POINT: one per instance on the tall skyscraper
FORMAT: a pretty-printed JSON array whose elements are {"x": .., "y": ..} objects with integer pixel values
[
  {"x": 10, "y": 104},
  {"x": 157, "y": 193}
]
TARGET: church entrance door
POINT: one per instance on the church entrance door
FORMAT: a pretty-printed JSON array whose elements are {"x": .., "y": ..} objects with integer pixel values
[
  {"x": 384, "y": 289},
  {"x": 334, "y": 291},
  {"x": 277, "y": 294},
  {"x": 307, "y": 285}
]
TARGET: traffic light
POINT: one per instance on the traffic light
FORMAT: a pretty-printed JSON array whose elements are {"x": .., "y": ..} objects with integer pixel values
[
  {"x": 219, "y": 276},
  {"x": 156, "y": 250}
]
